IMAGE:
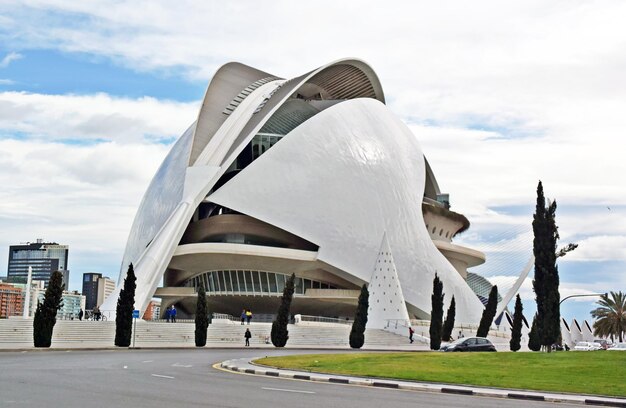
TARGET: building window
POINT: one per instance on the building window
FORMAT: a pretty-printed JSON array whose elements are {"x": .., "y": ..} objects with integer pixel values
[
  {"x": 272, "y": 278},
  {"x": 255, "y": 281},
  {"x": 264, "y": 282},
  {"x": 248, "y": 279}
]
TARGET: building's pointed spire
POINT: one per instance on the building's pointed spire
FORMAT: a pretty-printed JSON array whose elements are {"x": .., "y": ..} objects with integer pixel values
[{"x": 386, "y": 300}]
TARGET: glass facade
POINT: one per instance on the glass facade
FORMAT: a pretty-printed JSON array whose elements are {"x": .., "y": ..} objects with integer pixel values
[
  {"x": 44, "y": 258},
  {"x": 162, "y": 197},
  {"x": 262, "y": 142},
  {"x": 251, "y": 282},
  {"x": 72, "y": 303}
]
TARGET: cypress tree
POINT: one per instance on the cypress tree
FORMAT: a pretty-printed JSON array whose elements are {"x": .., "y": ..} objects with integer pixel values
[
  {"x": 546, "y": 279},
  {"x": 46, "y": 312},
  {"x": 357, "y": 333},
  {"x": 534, "y": 341},
  {"x": 516, "y": 330},
  {"x": 124, "y": 311},
  {"x": 489, "y": 313},
  {"x": 202, "y": 317},
  {"x": 280, "y": 334},
  {"x": 448, "y": 325},
  {"x": 436, "y": 314}
]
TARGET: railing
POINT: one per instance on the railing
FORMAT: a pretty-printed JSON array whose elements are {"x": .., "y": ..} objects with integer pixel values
[
  {"x": 343, "y": 293},
  {"x": 168, "y": 321},
  {"x": 256, "y": 318},
  {"x": 401, "y": 327},
  {"x": 320, "y": 319},
  {"x": 422, "y": 327},
  {"x": 225, "y": 316},
  {"x": 88, "y": 315},
  {"x": 395, "y": 323},
  {"x": 463, "y": 326}
]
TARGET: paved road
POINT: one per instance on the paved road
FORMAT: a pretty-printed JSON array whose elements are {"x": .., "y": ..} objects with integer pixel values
[{"x": 185, "y": 378}]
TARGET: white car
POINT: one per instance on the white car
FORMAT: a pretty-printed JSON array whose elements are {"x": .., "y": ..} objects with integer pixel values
[
  {"x": 586, "y": 346},
  {"x": 618, "y": 347}
]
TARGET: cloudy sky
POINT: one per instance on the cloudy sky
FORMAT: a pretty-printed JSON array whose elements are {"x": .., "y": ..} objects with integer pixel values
[{"x": 500, "y": 95}]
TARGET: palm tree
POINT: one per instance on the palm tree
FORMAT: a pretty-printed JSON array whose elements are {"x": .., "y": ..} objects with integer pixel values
[{"x": 610, "y": 316}]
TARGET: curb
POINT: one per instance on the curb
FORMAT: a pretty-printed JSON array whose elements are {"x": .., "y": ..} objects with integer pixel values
[{"x": 444, "y": 389}]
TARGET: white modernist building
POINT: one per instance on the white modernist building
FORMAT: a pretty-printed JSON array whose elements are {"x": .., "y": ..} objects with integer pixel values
[{"x": 313, "y": 176}]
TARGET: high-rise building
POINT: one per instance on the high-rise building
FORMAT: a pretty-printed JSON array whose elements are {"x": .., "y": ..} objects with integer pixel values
[
  {"x": 106, "y": 286},
  {"x": 96, "y": 289},
  {"x": 90, "y": 289},
  {"x": 43, "y": 257},
  {"x": 11, "y": 300},
  {"x": 153, "y": 311},
  {"x": 71, "y": 304}
]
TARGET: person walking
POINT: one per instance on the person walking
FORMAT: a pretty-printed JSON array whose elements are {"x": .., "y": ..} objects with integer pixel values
[
  {"x": 243, "y": 316},
  {"x": 96, "y": 313},
  {"x": 173, "y": 314},
  {"x": 248, "y": 316},
  {"x": 247, "y": 336},
  {"x": 168, "y": 312},
  {"x": 80, "y": 315},
  {"x": 411, "y": 331}
]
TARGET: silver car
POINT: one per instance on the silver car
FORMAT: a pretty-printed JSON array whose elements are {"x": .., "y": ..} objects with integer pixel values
[
  {"x": 618, "y": 347},
  {"x": 586, "y": 346}
]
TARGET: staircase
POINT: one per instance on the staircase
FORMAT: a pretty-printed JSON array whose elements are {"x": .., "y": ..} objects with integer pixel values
[
  {"x": 18, "y": 333},
  {"x": 303, "y": 336}
]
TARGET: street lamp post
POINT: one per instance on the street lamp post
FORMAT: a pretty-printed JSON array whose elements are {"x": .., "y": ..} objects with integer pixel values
[{"x": 588, "y": 294}]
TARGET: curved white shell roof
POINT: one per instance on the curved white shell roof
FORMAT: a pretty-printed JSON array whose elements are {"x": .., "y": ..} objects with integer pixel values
[{"x": 341, "y": 180}]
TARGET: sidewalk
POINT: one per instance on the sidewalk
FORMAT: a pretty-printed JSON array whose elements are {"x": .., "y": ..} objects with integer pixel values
[
  {"x": 8, "y": 347},
  {"x": 247, "y": 366}
]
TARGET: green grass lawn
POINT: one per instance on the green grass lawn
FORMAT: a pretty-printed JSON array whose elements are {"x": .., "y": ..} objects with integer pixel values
[{"x": 595, "y": 372}]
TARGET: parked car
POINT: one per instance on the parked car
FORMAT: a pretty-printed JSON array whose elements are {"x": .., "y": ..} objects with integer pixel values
[
  {"x": 586, "y": 346},
  {"x": 603, "y": 343},
  {"x": 469, "y": 344},
  {"x": 618, "y": 347}
]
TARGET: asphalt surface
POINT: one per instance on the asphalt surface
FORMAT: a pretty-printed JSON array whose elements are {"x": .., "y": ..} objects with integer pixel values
[{"x": 186, "y": 378}]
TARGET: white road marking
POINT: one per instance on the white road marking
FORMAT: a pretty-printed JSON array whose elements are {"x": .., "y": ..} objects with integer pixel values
[
  {"x": 125, "y": 367},
  {"x": 284, "y": 390},
  {"x": 181, "y": 365},
  {"x": 147, "y": 361},
  {"x": 162, "y": 376}
]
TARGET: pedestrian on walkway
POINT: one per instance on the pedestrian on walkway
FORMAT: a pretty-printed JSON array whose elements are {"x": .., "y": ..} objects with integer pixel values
[
  {"x": 80, "y": 315},
  {"x": 168, "y": 312},
  {"x": 96, "y": 313},
  {"x": 248, "y": 315},
  {"x": 243, "y": 316},
  {"x": 247, "y": 335},
  {"x": 173, "y": 314},
  {"x": 411, "y": 331}
]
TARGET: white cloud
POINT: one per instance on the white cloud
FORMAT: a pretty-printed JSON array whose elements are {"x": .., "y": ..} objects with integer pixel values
[
  {"x": 499, "y": 95},
  {"x": 565, "y": 289},
  {"x": 9, "y": 58},
  {"x": 6, "y": 82},
  {"x": 93, "y": 117},
  {"x": 600, "y": 248},
  {"x": 84, "y": 196}
]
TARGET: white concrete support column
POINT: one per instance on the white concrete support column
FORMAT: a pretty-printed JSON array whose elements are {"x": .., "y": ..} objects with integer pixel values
[{"x": 26, "y": 313}]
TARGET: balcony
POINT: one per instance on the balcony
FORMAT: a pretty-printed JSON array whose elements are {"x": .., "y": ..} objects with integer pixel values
[{"x": 242, "y": 229}]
